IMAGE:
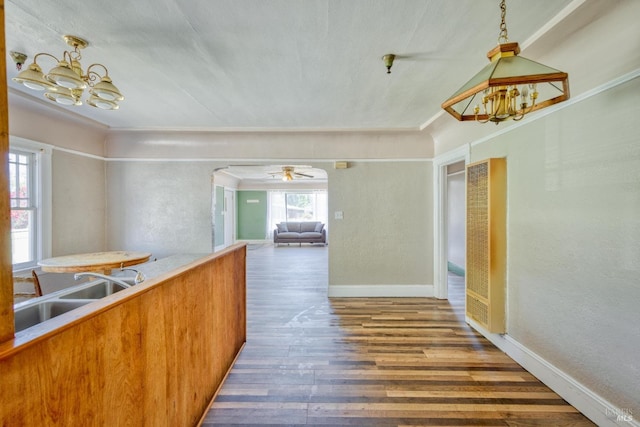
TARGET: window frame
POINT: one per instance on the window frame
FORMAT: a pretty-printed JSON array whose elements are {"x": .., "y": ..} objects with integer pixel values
[{"x": 41, "y": 196}]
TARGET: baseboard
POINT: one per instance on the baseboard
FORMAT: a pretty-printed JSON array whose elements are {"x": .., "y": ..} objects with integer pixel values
[
  {"x": 593, "y": 406},
  {"x": 373, "y": 291},
  {"x": 254, "y": 242},
  {"x": 455, "y": 269}
]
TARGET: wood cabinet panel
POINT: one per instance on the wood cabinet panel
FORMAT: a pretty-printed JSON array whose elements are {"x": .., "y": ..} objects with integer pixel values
[
  {"x": 153, "y": 355},
  {"x": 6, "y": 280}
]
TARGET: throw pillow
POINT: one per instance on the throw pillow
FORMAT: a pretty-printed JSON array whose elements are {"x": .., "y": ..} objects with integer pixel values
[
  {"x": 282, "y": 227},
  {"x": 319, "y": 227}
]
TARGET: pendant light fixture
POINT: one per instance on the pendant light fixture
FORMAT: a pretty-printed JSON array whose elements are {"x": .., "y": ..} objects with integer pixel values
[
  {"x": 509, "y": 87},
  {"x": 388, "y": 61},
  {"x": 66, "y": 82}
]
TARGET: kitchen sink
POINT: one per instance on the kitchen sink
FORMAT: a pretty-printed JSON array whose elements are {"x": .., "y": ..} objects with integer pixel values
[
  {"x": 37, "y": 310},
  {"x": 96, "y": 291},
  {"x": 31, "y": 315}
]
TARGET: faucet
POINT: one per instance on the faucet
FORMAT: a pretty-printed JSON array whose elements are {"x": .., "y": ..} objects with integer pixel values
[
  {"x": 140, "y": 277},
  {"x": 77, "y": 276}
]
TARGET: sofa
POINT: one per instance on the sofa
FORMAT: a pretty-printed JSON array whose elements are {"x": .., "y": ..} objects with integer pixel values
[{"x": 300, "y": 232}]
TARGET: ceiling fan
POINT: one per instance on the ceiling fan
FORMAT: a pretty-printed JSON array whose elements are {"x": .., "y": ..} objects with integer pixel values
[{"x": 289, "y": 172}]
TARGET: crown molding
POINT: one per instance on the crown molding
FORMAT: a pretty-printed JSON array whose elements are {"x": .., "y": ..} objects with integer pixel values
[
  {"x": 49, "y": 108},
  {"x": 267, "y": 130}
]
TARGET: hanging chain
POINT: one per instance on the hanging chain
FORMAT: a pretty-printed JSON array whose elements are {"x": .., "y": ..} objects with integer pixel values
[{"x": 502, "y": 37}]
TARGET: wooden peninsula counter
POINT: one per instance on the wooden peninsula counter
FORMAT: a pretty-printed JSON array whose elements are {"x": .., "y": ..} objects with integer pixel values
[{"x": 150, "y": 355}]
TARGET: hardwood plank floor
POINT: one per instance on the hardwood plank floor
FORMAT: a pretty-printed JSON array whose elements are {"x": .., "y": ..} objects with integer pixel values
[{"x": 310, "y": 360}]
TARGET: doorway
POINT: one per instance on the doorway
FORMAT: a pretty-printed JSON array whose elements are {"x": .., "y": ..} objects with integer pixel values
[
  {"x": 455, "y": 220},
  {"x": 441, "y": 264}
]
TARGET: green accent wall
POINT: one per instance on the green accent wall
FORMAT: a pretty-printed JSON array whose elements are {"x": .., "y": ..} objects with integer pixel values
[
  {"x": 218, "y": 217},
  {"x": 252, "y": 215}
]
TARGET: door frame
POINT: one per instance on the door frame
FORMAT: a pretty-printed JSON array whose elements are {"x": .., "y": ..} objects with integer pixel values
[
  {"x": 229, "y": 214},
  {"x": 440, "y": 234}
]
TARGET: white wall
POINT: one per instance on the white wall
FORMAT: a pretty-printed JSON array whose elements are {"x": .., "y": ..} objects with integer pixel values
[
  {"x": 265, "y": 146},
  {"x": 573, "y": 183},
  {"x": 165, "y": 207},
  {"x": 78, "y": 172},
  {"x": 79, "y": 204},
  {"x": 160, "y": 207},
  {"x": 573, "y": 203},
  {"x": 385, "y": 235},
  {"x": 385, "y": 238},
  {"x": 46, "y": 122}
]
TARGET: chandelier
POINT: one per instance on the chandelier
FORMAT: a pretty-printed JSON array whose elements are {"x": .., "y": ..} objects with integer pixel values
[
  {"x": 509, "y": 87},
  {"x": 67, "y": 81}
]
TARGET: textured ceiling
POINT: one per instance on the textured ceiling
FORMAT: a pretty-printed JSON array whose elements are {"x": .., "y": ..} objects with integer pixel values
[{"x": 273, "y": 65}]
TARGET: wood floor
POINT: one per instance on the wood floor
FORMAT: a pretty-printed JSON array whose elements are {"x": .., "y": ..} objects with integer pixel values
[{"x": 310, "y": 360}]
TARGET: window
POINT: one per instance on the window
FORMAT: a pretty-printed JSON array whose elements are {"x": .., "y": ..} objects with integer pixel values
[
  {"x": 30, "y": 204},
  {"x": 306, "y": 206},
  {"x": 297, "y": 206},
  {"x": 23, "y": 208}
]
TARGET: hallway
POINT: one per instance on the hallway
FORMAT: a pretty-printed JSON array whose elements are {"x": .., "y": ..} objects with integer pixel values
[{"x": 309, "y": 360}]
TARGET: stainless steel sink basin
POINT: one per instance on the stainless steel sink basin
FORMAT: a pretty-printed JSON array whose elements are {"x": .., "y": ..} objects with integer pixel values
[
  {"x": 37, "y": 310},
  {"x": 33, "y": 314},
  {"x": 99, "y": 290}
]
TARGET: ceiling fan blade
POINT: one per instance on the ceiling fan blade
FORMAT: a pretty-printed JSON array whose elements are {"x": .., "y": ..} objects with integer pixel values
[{"x": 302, "y": 174}]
